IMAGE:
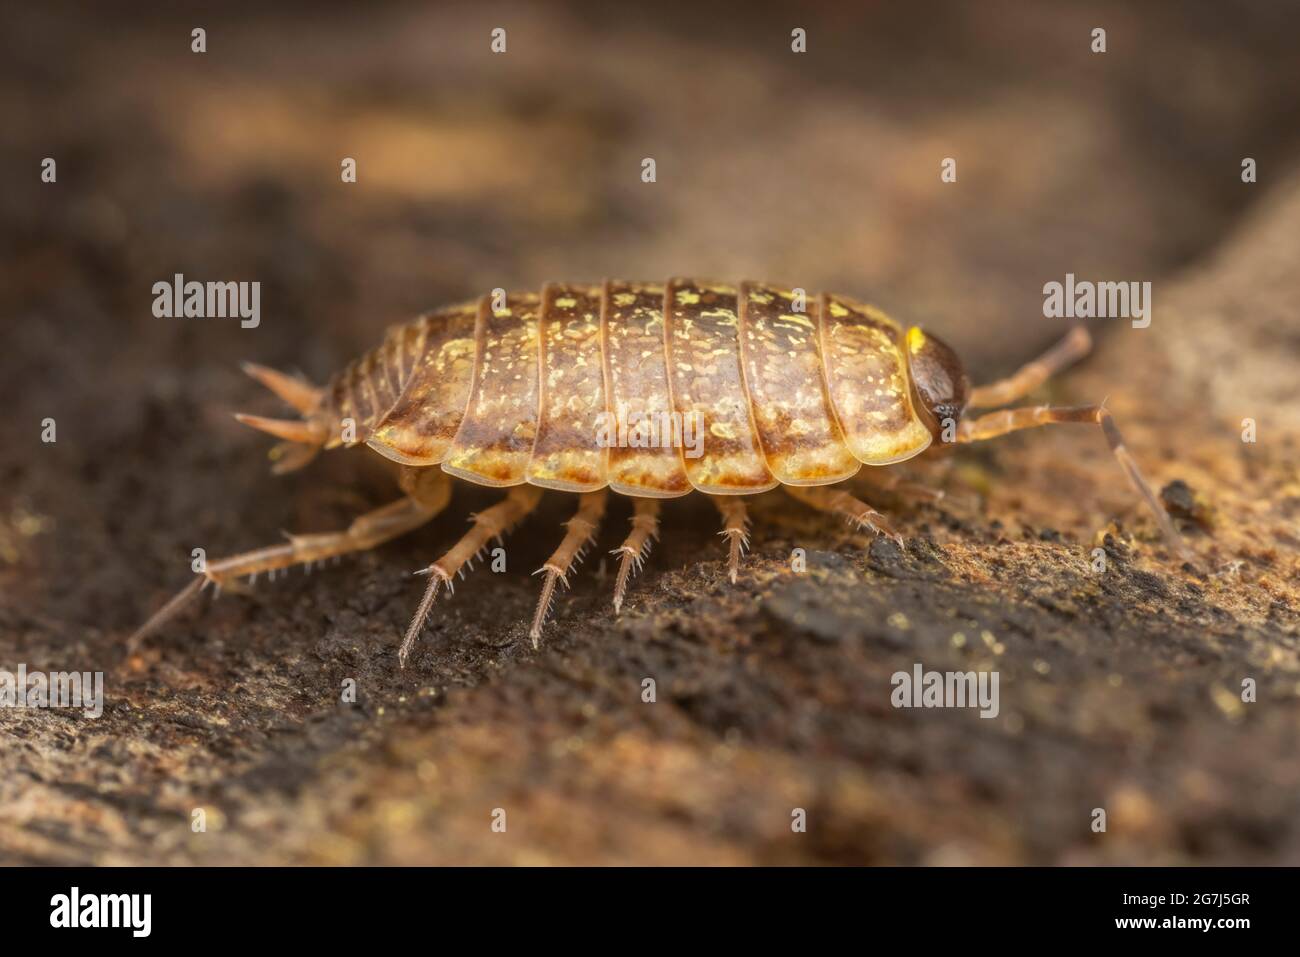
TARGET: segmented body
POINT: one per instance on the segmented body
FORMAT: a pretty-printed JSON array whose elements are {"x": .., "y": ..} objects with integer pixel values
[
  {"x": 533, "y": 390},
  {"x": 743, "y": 389}
]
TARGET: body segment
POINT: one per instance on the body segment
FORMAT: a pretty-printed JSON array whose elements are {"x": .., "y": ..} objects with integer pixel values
[
  {"x": 708, "y": 386},
  {"x": 495, "y": 440},
  {"x": 796, "y": 425},
  {"x": 636, "y": 385},
  {"x": 433, "y": 360},
  {"x": 567, "y": 453},
  {"x": 867, "y": 379}
]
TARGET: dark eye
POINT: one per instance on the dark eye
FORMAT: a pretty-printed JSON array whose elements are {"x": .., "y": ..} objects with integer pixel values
[{"x": 937, "y": 376}]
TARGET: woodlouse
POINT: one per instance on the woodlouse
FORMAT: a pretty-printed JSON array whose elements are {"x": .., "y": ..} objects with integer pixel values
[{"x": 520, "y": 391}]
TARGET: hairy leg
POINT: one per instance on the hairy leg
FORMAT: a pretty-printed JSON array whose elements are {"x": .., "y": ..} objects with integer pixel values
[
  {"x": 581, "y": 531},
  {"x": 735, "y": 529},
  {"x": 888, "y": 480},
  {"x": 489, "y": 524},
  {"x": 839, "y": 502},
  {"x": 645, "y": 529},
  {"x": 427, "y": 495}
]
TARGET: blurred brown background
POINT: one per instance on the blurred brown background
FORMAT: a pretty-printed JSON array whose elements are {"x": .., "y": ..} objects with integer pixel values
[{"x": 821, "y": 169}]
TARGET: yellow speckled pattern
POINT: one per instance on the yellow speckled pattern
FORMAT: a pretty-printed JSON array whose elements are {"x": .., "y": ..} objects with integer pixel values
[
  {"x": 706, "y": 381},
  {"x": 431, "y": 362},
  {"x": 567, "y": 454},
  {"x": 636, "y": 386},
  {"x": 867, "y": 381},
  {"x": 619, "y": 384},
  {"x": 495, "y": 438},
  {"x": 800, "y": 438}
]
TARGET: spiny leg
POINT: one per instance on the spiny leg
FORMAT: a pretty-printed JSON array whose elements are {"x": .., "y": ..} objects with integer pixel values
[
  {"x": 891, "y": 481},
  {"x": 488, "y": 524},
  {"x": 645, "y": 529},
  {"x": 839, "y": 502},
  {"x": 735, "y": 529},
  {"x": 995, "y": 424},
  {"x": 165, "y": 613},
  {"x": 425, "y": 499},
  {"x": 581, "y": 531},
  {"x": 1076, "y": 344}
]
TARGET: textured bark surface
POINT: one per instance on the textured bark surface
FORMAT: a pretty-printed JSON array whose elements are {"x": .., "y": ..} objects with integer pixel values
[{"x": 1119, "y": 690}]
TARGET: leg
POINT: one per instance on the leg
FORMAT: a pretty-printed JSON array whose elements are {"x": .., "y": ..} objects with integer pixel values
[
  {"x": 581, "y": 531},
  {"x": 1013, "y": 420},
  {"x": 735, "y": 529},
  {"x": 490, "y": 524},
  {"x": 427, "y": 495},
  {"x": 839, "y": 502},
  {"x": 645, "y": 529},
  {"x": 1076, "y": 345},
  {"x": 892, "y": 481}
]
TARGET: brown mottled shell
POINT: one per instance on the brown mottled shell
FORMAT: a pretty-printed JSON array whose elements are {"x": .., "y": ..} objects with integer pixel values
[{"x": 547, "y": 389}]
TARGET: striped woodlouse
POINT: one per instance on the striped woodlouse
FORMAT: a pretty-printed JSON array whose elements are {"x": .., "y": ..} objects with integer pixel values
[{"x": 517, "y": 391}]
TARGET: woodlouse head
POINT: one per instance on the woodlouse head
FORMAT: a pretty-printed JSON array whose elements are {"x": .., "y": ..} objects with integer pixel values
[{"x": 939, "y": 381}]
